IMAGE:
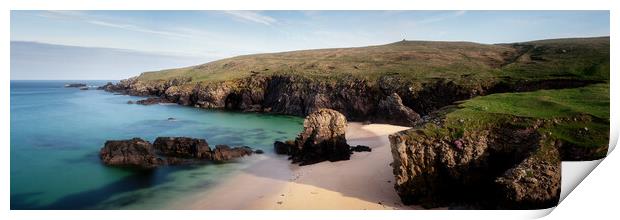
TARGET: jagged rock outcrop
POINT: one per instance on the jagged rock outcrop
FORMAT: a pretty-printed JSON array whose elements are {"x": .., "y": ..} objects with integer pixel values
[
  {"x": 167, "y": 151},
  {"x": 533, "y": 183},
  {"x": 183, "y": 147},
  {"x": 392, "y": 107},
  {"x": 323, "y": 138},
  {"x": 132, "y": 153},
  {"x": 481, "y": 169}
]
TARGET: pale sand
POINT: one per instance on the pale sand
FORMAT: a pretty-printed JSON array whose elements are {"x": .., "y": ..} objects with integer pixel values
[{"x": 364, "y": 182}]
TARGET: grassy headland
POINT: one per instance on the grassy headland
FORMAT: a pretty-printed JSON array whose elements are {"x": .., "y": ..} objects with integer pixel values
[{"x": 461, "y": 62}]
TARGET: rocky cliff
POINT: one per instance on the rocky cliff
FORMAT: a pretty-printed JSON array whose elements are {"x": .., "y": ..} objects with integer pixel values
[{"x": 503, "y": 166}]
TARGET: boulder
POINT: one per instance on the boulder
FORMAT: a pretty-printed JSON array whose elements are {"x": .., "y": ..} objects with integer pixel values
[
  {"x": 183, "y": 147},
  {"x": 223, "y": 152},
  {"x": 131, "y": 153},
  {"x": 323, "y": 138}
]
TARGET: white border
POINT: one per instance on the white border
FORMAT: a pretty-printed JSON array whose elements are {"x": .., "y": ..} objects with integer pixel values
[{"x": 589, "y": 198}]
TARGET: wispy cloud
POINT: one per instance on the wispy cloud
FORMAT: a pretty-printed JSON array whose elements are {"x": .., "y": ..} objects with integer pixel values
[
  {"x": 130, "y": 27},
  {"x": 84, "y": 17},
  {"x": 252, "y": 16}
]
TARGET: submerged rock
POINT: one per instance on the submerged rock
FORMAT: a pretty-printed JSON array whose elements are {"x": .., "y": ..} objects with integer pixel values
[
  {"x": 223, "y": 152},
  {"x": 152, "y": 101},
  {"x": 132, "y": 153},
  {"x": 84, "y": 88}
]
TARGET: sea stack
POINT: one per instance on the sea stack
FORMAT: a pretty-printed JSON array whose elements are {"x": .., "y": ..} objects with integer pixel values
[{"x": 323, "y": 138}]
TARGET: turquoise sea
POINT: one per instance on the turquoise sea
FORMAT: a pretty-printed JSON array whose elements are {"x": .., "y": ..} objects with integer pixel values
[{"x": 56, "y": 134}]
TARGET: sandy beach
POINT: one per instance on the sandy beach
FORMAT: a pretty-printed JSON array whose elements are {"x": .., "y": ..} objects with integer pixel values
[{"x": 363, "y": 182}]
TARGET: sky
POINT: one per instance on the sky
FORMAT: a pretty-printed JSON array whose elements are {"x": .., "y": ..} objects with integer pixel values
[{"x": 173, "y": 37}]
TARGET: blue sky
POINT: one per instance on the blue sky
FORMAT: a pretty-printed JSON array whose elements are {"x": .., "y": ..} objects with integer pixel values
[{"x": 211, "y": 35}]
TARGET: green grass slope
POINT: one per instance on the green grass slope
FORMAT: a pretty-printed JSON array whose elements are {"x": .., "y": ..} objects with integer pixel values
[
  {"x": 577, "y": 58},
  {"x": 578, "y": 116}
]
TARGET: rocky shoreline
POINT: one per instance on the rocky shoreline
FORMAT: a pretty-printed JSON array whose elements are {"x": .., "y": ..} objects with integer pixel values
[
  {"x": 430, "y": 171},
  {"x": 391, "y": 99}
]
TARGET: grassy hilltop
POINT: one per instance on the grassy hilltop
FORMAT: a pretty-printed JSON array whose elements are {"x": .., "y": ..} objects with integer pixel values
[{"x": 462, "y": 62}]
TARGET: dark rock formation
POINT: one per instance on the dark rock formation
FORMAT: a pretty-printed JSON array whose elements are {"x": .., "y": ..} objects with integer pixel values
[
  {"x": 107, "y": 85},
  {"x": 532, "y": 183},
  {"x": 84, "y": 88},
  {"x": 152, "y": 101},
  {"x": 129, "y": 102},
  {"x": 132, "y": 153},
  {"x": 259, "y": 151},
  {"x": 167, "y": 150},
  {"x": 183, "y": 147},
  {"x": 283, "y": 147},
  {"x": 323, "y": 138},
  {"x": 223, "y": 153},
  {"x": 390, "y": 99},
  {"x": 361, "y": 148},
  {"x": 391, "y": 107},
  {"x": 500, "y": 168},
  {"x": 75, "y": 85}
]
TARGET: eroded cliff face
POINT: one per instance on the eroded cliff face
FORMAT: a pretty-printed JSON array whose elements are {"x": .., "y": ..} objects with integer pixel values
[
  {"x": 501, "y": 167},
  {"x": 292, "y": 95},
  {"x": 391, "y": 99}
]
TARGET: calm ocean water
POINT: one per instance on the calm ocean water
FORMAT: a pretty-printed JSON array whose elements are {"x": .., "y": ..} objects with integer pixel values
[{"x": 56, "y": 134}]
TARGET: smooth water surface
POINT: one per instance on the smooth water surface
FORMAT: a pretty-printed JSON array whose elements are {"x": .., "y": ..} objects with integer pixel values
[{"x": 56, "y": 134}]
